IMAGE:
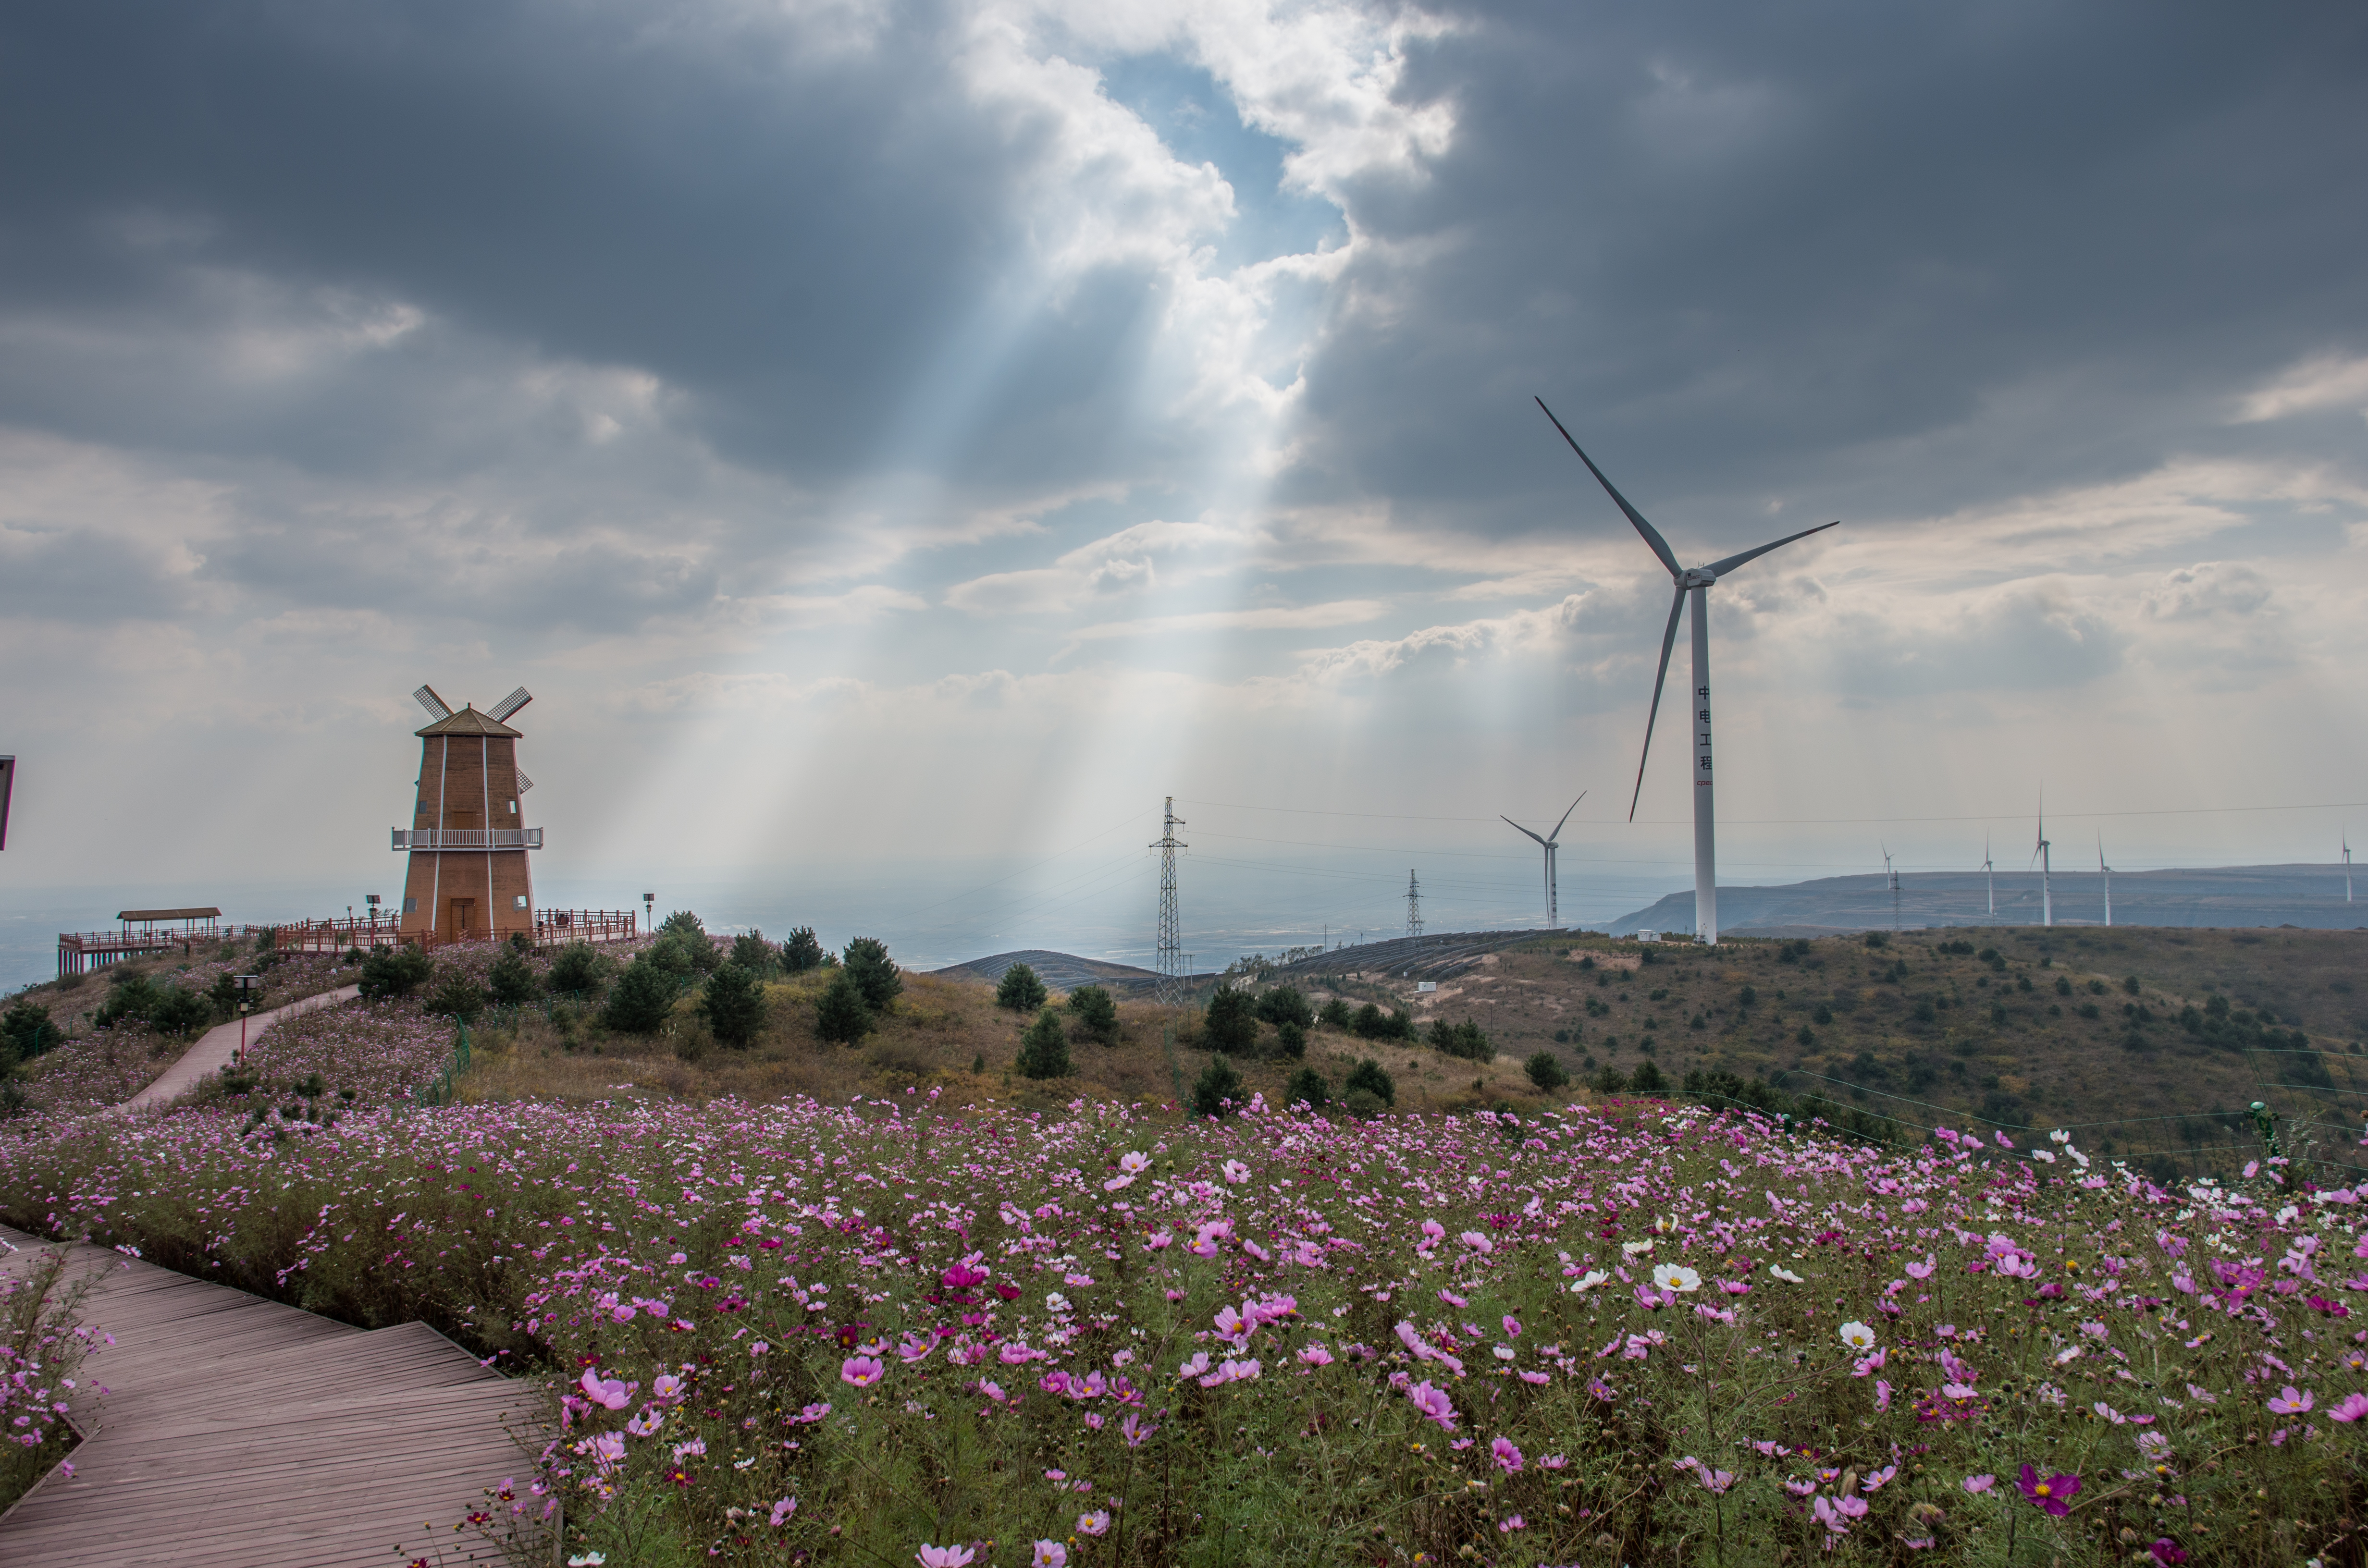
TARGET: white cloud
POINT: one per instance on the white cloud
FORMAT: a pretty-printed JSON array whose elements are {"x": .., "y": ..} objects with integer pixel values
[{"x": 2326, "y": 380}]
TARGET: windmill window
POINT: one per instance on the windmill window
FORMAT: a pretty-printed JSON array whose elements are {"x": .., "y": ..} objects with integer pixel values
[
  {"x": 411, "y": 906},
  {"x": 518, "y": 902},
  {"x": 513, "y": 808}
]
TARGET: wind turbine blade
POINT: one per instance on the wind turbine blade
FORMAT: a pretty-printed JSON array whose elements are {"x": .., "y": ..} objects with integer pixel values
[
  {"x": 1652, "y": 536},
  {"x": 436, "y": 709},
  {"x": 510, "y": 704},
  {"x": 1518, "y": 828},
  {"x": 1721, "y": 568},
  {"x": 1669, "y": 640},
  {"x": 1565, "y": 816}
]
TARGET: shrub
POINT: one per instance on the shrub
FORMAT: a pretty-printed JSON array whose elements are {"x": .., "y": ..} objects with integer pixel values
[
  {"x": 1290, "y": 1040},
  {"x": 26, "y": 1031},
  {"x": 1747, "y": 995},
  {"x": 1308, "y": 1087},
  {"x": 1370, "y": 1077},
  {"x": 1876, "y": 939},
  {"x": 1097, "y": 1013},
  {"x": 753, "y": 953},
  {"x": 682, "y": 923},
  {"x": 1545, "y": 1071},
  {"x": 456, "y": 996},
  {"x": 678, "y": 957},
  {"x": 1218, "y": 1091},
  {"x": 180, "y": 1012},
  {"x": 642, "y": 996},
  {"x": 1285, "y": 1005},
  {"x": 512, "y": 980},
  {"x": 1647, "y": 1080},
  {"x": 1463, "y": 1040},
  {"x": 132, "y": 996},
  {"x": 1368, "y": 1022},
  {"x": 801, "y": 952},
  {"x": 874, "y": 972},
  {"x": 1608, "y": 1080},
  {"x": 1233, "y": 1025},
  {"x": 733, "y": 1004},
  {"x": 1020, "y": 990},
  {"x": 1044, "y": 1049},
  {"x": 397, "y": 974},
  {"x": 579, "y": 968},
  {"x": 1334, "y": 1012},
  {"x": 840, "y": 1012}
]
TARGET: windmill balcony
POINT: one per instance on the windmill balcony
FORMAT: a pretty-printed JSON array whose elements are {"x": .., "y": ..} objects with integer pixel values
[{"x": 468, "y": 838}]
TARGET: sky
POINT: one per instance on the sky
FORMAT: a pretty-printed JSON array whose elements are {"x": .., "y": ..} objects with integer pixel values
[{"x": 899, "y": 444}]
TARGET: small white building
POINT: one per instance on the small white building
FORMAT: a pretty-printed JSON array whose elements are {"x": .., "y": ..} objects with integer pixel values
[
  {"x": 1421, "y": 985},
  {"x": 1648, "y": 936}
]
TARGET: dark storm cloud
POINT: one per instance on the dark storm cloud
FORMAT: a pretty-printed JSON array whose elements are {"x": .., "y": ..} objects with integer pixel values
[{"x": 1867, "y": 258}]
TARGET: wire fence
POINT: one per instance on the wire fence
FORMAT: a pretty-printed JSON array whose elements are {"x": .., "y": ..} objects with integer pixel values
[{"x": 441, "y": 1088}]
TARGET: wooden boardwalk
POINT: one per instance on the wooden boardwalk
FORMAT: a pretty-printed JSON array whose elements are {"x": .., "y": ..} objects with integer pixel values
[{"x": 240, "y": 1433}]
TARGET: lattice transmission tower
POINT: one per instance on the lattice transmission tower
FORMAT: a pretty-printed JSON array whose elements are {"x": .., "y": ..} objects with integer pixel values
[
  {"x": 1414, "y": 905},
  {"x": 1171, "y": 964}
]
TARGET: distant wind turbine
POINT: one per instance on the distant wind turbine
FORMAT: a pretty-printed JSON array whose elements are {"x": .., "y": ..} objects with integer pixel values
[
  {"x": 1894, "y": 878},
  {"x": 2047, "y": 900},
  {"x": 1549, "y": 844},
  {"x": 2107, "y": 872},
  {"x": 2347, "y": 865},
  {"x": 1989, "y": 879},
  {"x": 1694, "y": 581}
]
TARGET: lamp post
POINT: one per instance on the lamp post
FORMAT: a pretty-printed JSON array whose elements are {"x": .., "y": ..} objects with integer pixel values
[
  {"x": 246, "y": 989},
  {"x": 650, "y": 910},
  {"x": 370, "y": 902}
]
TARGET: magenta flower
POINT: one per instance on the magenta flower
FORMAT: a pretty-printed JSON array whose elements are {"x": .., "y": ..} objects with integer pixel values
[
  {"x": 1434, "y": 1403},
  {"x": 2168, "y": 1553},
  {"x": 782, "y": 1510},
  {"x": 1512, "y": 1326},
  {"x": 1049, "y": 1554},
  {"x": 607, "y": 1391},
  {"x": 2291, "y": 1401},
  {"x": 2050, "y": 1495},
  {"x": 1135, "y": 1433},
  {"x": 1508, "y": 1457},
  {"x": 861, "y": 1370},
  {"x": 1095, "y": 1523},
  {"x": 1514, "y": 1522},
  {"x": 2353, "y": 1407},
  {"x": 944, "y": 1556}
]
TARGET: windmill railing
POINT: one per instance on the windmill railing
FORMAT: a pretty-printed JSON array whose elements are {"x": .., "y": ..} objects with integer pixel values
[
  {"x": 552, "y": 928},
  {"x": 411, "y": 838}
]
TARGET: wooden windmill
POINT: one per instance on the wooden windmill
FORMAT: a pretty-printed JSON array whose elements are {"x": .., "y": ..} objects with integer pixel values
[{"x": 469, "y": 877}]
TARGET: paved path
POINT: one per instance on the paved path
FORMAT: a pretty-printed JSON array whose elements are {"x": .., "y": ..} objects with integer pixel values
[
  {"x": 240, "y": 1433},
  {"x": 218, "y": 1046}
]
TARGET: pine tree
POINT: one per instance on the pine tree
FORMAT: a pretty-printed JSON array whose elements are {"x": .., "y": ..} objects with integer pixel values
[
  {"x": 840, "y": 1014},
  {"x": 734, "y": 1006},
  {"x": 874, "y": 972},
  {"x": 1020, "y": 990},
  {"x": 1219, "y": 1091},
  {"x": 1309, "y": 1088},
  {"x": 1545, "y": 1071},
  {"x": 1044, "y": 1049}
]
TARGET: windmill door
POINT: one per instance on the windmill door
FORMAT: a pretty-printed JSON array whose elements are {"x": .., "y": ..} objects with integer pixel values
[{"x": 463, "y": 913}]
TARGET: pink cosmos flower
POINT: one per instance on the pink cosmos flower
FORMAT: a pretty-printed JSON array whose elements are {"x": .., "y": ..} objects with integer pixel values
[
  {"x": 993, "y": 1390},
  {"x": 782, "y": 1510},
  {"x": 1315, "y": 1355},
  {"x": 2353, "y": 1407},
  {"x": 944, "y": 1556},
  {"x": 861, "y": 1370},
  {"x": 606, "y": 1392},
  {"x": 647, "y": 1422},
  {"x": 1875, "y": 1479},
  {"x": 2168, "y": 1553},
  {"x": 1882, "y": 1394},
  {"x": 1510, "y": 1523},
  {"x": 1095, "y": 1523},
  {"x": 1049, "y": 1554},
  {"x": 1552, "y": 1462},
  {"x": 1508, "y": 1457},
  {"x": 666, "y": 1388},
  {"x": 1977, "y": 1484},
  {"x": 2291, "y": 1401},
  {"x": 1512, "y": 1326},
  {"x": 1434, "y": 1403},
  {"x": 915, "y": 1346},
  {"x": 2051, "y": 1494}
]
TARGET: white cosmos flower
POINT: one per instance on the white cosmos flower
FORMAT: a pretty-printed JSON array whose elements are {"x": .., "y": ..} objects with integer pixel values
[
  {"x": 1588, "y": 1280},
  {"x": 1786, "y": 1275},
  {"x": 1637, "y": 1249},
  {"x": 1676, "y": 1276},
  {"x": 1856, "y": 1336}
]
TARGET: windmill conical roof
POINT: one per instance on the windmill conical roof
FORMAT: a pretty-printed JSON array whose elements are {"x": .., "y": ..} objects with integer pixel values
[{"x": 469, "y": 722}]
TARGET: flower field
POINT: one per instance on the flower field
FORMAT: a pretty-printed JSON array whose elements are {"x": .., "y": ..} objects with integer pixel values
[{"x": 892, "y": 1332}]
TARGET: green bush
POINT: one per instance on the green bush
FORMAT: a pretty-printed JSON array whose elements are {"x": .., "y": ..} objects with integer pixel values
[
  {"x": 733, "y": 1004},
  {"x": 802, "y": 951},
  {"x": 1097, "y": 1013},
  {"x": 678, "y": 956},
  {"x": 1546, "y": 1072},
  {"x": 684, "y": 923},
  {"x": 1285, "y": 1005},
  {"x": 1647, "y": 1080},
  {"x": 753, "y": 953},
  {"x": 1044, "y": 1049},
  {"x": 1369, "y": 1078},
  {"x": 178, "y": 1012},
  {"x": 1335, "y": 1012},
  {"x": 1308, "y": 1088},
  {"x": 399, "y": 973},
  {"x": 840, "y": 1013},
  {"x": 579, "y": 968},
  {"x": 1608, "y": 1080},
  {"x": 1290, "y": 1040},
  {"x": 1218, "y": 1091},
  {"x": 874, "y": 972},
  {"x": 1463, "y": 1040},
  {"x": 512, "y": 980},
  {"x": 456, "y": 996},
  {"x": 128, "y": 995},
  {"x": 1020, "y": 990},
  {"x": 642, "y": 996},
  {"x": 1233, "y": 1025},
  {"x": 26, "y": 1031}
]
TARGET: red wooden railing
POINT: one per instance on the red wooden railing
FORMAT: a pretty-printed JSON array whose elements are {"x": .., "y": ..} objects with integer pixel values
[{"x": 81, "y": 950}]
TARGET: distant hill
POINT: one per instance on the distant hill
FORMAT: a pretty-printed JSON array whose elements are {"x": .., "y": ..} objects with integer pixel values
[
  {"x": 1061, "y": 971},
  {"x": 2227, "y": 897}
]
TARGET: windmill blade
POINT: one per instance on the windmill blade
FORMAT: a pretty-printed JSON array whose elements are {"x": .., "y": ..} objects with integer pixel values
[
  {"x": 1668, "y": 641},
  {"x": 510, "y": 705},
  {"x": 1517, "y": 826},
  {"x": 524, "y": 783},
  {"x": 437, "y": 708},
  {"x": 1652, "y": 536},
  {"x": 1721, "y": 568},
  {"x": 1557, "y": 834}
]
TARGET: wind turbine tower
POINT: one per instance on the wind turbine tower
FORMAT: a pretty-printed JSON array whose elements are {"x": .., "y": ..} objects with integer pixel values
[
  {"x": 2107, "y": 872},
  {"x": 2347, "y": 866},
  {"x": 1989, "y": 878},
  {"x": 1694, "y": 582},
  {"x": 1414, "y": 904},
  {"x": 2046, "y": 901},
  {"x": 1549, "y": 844},
  {"x": 1889, "y": 871}
]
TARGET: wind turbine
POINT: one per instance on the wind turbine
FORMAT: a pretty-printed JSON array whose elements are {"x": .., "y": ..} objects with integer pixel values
[
  {"x": 1894, "y": 877},
  {"x": 1694, "y": 581},
  {"x": 2347, "y": 866},
  {"x": 1549, "y": 843},
  {"x": 1989, "y": 878},
  {"x": 2046, "y": 901},
  {"x": 2107, "y": 872}
]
